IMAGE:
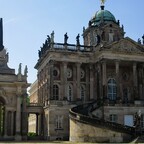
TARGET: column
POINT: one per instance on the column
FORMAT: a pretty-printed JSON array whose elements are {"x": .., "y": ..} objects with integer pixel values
[
  {"x": 91, "y": 82},
  {"x": 74, "y": 83},
  {"x": 51, "y": 66},
  {"x": 37, "y": 124},
  {"x": 104, "y": 80},
  {"x": 87, "y": 83},
  {"x": 18, "y": 119},
  {"x": 99, "y": 81},
  {"x": 12, "y": 122},
  {"x": 65, "y": 78},
  {"x": 117, "y": 78},
  {"x": 135, "y": 80},
  {"x": 5, "y": 123},
  {"x": 78, "y": 80},
  {"x": 48, "y": 83}
]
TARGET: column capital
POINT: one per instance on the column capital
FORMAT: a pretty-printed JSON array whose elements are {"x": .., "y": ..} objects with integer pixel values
[
  {"x": 103, "y": 61},
  {"x": 117, "y": 61},
  {"x": 134, "y": 64},
  {"x": 51, "y": 62},
  {"x": 78, "y": 64},
  {"x": 65, "y": 63},
  {"x": 91, "y": 66}
]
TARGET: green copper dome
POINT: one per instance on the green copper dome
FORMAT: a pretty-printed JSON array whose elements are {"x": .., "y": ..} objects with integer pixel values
[{"x": 103, "y": 16}]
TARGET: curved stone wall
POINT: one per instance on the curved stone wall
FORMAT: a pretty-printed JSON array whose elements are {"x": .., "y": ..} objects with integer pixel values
[{"x": 82, "y": 132}]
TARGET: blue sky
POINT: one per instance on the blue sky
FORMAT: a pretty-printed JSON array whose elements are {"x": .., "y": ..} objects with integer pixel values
[{"x": 28, "y": 22}]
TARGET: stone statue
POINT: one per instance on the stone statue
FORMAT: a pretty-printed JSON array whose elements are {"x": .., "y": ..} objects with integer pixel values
[
  {"x": 143, "y": 39},
  {"x": 90, "y": 23},
  {"x": 7, "y": 57},
  {"x": 25, "y": 70},
  {"x": 83, "y": 29},
  {"x": 77, "y": 39},
  {"x": 123, "y": 27},
  {"x": 139, "y": 41},
  {"x": 39, "y": 53},
  {"x": 102, "y": 2},
  {"x": 48, "y": 39},
  {"x": 65, "y": 38},
  {"x": 19, "y": 70},
  {"x": 52, "y": 37},
  {"x": 118, "y": 22}
]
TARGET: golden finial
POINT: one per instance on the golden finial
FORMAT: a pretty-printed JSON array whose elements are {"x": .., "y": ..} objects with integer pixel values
[{"x": 102, "y": 2}]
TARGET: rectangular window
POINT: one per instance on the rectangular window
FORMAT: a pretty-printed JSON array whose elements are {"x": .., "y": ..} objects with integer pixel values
[
  {"x": 113, "y": 118},
  {"x": 59, "y": 122}
]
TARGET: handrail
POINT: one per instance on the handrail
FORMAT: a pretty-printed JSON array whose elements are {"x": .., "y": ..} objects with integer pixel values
[{"x": 80, "y": 113}]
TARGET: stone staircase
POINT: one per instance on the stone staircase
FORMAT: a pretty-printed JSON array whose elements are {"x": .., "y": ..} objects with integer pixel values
[{"x": 83, "y": 113}]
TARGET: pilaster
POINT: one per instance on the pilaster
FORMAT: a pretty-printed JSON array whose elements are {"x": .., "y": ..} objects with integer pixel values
[
  {"x": 78, "y": 79},
  {"x": 104, "y": 79},
  {"x": 91, "y": 82},
  {"x": 117, "y": 78}
]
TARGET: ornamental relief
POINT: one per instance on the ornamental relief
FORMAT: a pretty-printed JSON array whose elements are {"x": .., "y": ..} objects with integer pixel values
[
  {"x": 111, "y": 75},
  {"x": 125, "y": 47}
]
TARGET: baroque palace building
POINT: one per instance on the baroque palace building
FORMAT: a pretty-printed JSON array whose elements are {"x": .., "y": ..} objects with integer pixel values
[{"x": 108, "y": 68}]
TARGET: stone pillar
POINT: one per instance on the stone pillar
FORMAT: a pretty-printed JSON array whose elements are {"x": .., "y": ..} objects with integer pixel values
[
  {"x": 78, "y": 79},
  {"x": 99, "y": 81},
  {"x": 12, "y": 122},
  {"x": 104, "y": 79},
  {"x": 18, "y": 119},
  {"x": 87, "y": 83},
  {"x": 65, "y": 78},
  {"x": 91, "y": 82},
  {"x": 117, "y": 78},
  {"x": 48, "y": 82},
  {"x": 5, "y": 123},
  {"x": 135, "y": 80},
  {"x": 51, "y": 78},
  {"x": 74, "y": 83},
  {"x": 37, "y": 122}
]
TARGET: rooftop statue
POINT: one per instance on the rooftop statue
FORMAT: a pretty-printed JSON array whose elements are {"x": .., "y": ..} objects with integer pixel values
[
  {"x": 65, "y": 38},
  {"x": 139, "y": 41},
  {"x": 77, "y": 39},
  {"x": 48, "y": 39},
  {"x": 52, "y": 37},
  {"x": 102, "y": 2},
  {"x": 25, "y": 70},
  {"x": 143, "y": 39},
  {"x": 19, "y": 70}
]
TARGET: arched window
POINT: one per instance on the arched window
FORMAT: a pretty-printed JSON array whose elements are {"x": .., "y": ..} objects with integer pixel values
[
  {"x": 82, "y": 92},
  {"x": 55, "y": 92},
  {"x": 112, "y": 89},
  {"x": 69, "y": 92}
]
